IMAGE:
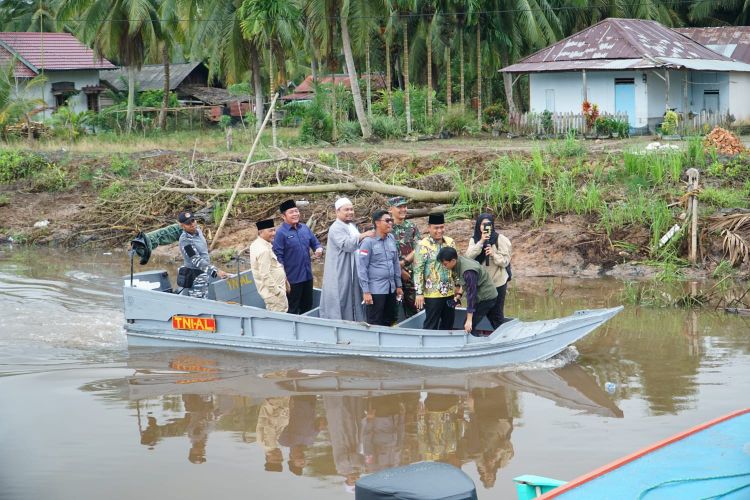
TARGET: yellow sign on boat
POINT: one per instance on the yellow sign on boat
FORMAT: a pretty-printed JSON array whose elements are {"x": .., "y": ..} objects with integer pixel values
[{"x": 194, "y": 323}]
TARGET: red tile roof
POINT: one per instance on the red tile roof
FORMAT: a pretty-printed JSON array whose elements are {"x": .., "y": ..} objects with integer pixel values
[
  {"x": 20, "y": 70},
  {"x": 51, "y": 51}
]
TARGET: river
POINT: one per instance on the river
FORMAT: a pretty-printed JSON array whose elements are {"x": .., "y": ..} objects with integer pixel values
[{"x": 85, "y": 417}]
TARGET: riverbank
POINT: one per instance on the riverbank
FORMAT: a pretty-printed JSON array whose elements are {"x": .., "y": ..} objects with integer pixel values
[{"x": 571, "y": 208}]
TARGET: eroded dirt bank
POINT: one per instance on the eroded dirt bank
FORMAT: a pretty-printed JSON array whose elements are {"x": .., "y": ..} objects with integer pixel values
[{"x": 103, "y": 209}]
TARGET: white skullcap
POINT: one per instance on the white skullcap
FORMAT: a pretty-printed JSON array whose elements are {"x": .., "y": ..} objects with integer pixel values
[{"x": 341, "y": 202}]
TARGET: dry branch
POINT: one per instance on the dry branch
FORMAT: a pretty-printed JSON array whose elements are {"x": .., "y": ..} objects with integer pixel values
[{"x": 374, "y": 187}]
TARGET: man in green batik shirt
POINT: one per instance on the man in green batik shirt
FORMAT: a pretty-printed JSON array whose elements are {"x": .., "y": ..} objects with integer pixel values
[{"x": 406, "y": 234}]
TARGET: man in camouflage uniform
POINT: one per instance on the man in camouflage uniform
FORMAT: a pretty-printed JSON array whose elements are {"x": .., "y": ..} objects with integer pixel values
[
  {"x": 194, "y": 251},
  {"x": 406, "y": 234}
]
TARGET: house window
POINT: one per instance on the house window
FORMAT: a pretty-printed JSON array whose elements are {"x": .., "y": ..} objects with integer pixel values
[
  {"x": 61, "y": 100},
  {"x": 92, "y": 102},
  {"x": 549, "y": 100}
]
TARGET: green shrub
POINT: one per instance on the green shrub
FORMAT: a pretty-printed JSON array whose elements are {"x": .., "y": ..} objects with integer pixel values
[
  {"x": 387, "y": 127},
  {"x": 723, "y": 198},
  {"x": 15, "y": 165},
  {"x": 567, "y": 148},
  {"x": 349, "y": 131},
  {"x": 113, "y": 191},
  {"x": 669, "y": 125},
  {"x": 122, "y": 166},
  {"x": 316, "y": 126},
  {"x": 459, "y": 123},
  {"x": 4, "y": 200},
  {"x": 225, "y": 121},
  {"x": 495, "y": 114},
  {"x": 154, "y": 99},
  {"x": 53, "y": 178}
]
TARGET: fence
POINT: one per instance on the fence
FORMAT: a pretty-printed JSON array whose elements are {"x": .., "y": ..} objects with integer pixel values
[
  {"x": 705, "y": 121},
  {"x": 556, "y": 124}
]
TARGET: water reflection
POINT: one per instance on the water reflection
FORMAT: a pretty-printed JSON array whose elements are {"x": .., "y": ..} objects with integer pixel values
[{"x": 342, "y": 417}]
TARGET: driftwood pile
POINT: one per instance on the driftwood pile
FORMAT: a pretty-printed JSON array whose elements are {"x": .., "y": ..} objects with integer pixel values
[{"x": 724, "y": 141}]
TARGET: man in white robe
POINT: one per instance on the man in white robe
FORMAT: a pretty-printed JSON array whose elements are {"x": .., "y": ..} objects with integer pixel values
[{"x": 342, "y": 295}]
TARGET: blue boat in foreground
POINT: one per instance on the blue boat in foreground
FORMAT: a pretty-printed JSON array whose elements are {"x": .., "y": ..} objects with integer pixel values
[{"x": 709, "y": 461}]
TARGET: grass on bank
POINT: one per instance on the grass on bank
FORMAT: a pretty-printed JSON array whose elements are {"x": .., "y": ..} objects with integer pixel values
[{"x": 632, "y": 188}]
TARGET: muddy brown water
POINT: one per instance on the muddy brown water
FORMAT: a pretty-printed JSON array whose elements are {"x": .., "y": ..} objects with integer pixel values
[{"x": 85, "y": 417}]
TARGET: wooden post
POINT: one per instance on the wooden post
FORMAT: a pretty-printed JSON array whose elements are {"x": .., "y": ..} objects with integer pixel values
[
  {"x": 666, "y": 81},
  {"x": 693, "y": 176},
  {"x": 242, "y": 173}
]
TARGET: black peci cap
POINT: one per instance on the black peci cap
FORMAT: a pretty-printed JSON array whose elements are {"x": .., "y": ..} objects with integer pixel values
[
  {"x": 264, "y": 224},
  {"x": 438, "y": 218},
  {"x": 287, "y": 205}
]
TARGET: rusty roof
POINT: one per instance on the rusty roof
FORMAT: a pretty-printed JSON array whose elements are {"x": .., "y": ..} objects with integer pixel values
[
  {"x": 730, "y": 41},
  {"x": 51, "y": 51},
  {"x": 616, "y": 44},
  {"x": 307, "y": 86}
]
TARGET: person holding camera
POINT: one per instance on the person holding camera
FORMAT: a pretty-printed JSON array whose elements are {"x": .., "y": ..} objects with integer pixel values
[{"x": 492, "y": 250}]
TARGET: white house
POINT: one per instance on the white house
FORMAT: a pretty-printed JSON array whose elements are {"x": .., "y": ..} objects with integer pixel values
[
  {"x": 70, "y": 68},
  {"x": 638, "y": 67}
]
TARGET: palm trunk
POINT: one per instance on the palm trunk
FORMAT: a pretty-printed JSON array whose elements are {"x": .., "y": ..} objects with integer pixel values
[
  {"x": 165, "y": 98},
  {"x": 131, "y": 99},
  {"x": 461, "y": 67},
  {"x": 508, "y": 83},
  {"x": 258, "y": 87},
  {"x": 407, "y": 104},
  {"x": 334, "y": 128},
  {"x": 369, "y": 78},
  {"x": 429, "y": 71},
  {"x": 271, "y": 85},
  {"x": 314, "y": 69},
  {"x": 479, "y": 77},
  {"x": 388, "y": 76},
  {"x": 364, "y": 123},
  {"x": 449, "y": 82}
]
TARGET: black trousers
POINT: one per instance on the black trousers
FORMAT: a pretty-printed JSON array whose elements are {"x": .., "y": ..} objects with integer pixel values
[
  {"x": 497, "y": 314},
  {"x": 438, "y": 315},
  {"x": 482, "y": 309},
  {"x": 383, "y": 310},
  {"x": 300, "y": 297}
]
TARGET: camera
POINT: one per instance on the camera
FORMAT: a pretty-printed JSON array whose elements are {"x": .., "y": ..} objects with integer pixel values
[{"x": 487, "y": 228}]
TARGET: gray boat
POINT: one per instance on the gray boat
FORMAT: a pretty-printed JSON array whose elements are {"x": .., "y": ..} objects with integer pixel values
[{"x": 234, "y": 317}]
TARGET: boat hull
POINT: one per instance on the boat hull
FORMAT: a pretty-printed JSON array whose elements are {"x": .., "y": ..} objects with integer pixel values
[{"x": 150, "y": 313}]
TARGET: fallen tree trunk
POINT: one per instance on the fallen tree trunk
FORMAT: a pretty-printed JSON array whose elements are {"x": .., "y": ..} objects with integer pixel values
[{"x": 374, "y": 187}]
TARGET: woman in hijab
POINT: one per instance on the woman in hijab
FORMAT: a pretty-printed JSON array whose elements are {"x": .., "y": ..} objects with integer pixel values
[{"x": 492, "y": 249}]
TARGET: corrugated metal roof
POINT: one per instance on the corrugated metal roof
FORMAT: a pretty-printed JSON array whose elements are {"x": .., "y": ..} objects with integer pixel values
[
  {"x": 599, "y": 46},
  {"x": 706, "y": 65},
  {"x": 377, "y": 82},
  {"x": 731, "y": 41},
  {"x": 52, "y": 51},
  {"x": 149, "y": 77}
]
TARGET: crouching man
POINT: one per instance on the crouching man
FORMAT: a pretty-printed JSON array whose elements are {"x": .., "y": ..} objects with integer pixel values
[
  {"x": 194, "y": 251},
  {"x": 270, "y": 279},
  {"x": 472, "y": 280}
]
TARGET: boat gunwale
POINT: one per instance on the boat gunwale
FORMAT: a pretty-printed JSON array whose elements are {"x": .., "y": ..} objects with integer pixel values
[
  {"x": 358, "y": 325},
  {"x": 616, "y": 464}
]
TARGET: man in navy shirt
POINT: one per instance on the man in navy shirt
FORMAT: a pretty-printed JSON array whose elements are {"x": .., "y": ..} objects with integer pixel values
[{"x": 292, "y": 246}]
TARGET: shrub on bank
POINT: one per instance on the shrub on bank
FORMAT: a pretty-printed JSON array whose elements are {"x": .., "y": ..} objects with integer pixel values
[{"x": 16, "y": 165}]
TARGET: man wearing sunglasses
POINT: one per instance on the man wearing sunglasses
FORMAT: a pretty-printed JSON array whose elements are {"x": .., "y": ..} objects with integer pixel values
[
  {"x": 379, "y": 272},
  {"x": 194, "y": 251}
]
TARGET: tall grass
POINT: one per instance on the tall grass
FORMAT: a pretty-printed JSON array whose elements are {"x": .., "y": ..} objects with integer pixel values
[
  {"x": 695, "y": 155},
  {"x": 656, "y": 168},
  {"x": 640, "y": 208},
  {"x": 564, "y": 193}
]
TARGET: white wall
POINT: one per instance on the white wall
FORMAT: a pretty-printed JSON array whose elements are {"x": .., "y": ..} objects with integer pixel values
[
  {"x": 568, "y": 88},
  {"x": 80, "y": 78},
  {"x": 739, "y": 95}
]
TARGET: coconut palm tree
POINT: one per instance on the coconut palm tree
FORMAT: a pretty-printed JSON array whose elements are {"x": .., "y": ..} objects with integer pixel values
[
  {"x": 735, "y": 12},
  {"x": 23, "y": 15},
  {"x": 403, "y": 10},
  {"x": 122, "y": 30}
]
